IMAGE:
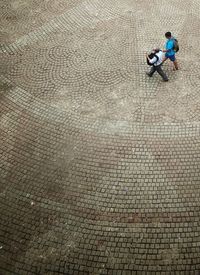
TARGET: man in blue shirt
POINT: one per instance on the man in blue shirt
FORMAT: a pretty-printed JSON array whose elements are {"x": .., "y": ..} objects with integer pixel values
[{"x": 170, "y": 52}]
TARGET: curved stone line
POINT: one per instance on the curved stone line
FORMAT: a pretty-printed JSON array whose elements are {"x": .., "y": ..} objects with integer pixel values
[
  {"x": 65, "y": 21},
  {"x": 102, "y": 126}
]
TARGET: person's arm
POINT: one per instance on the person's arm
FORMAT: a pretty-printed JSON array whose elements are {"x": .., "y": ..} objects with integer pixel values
[
  {"x": 153, "y": 60},
  {"x": 147, "y": 56},
  {"x": 166, "y": 51}
]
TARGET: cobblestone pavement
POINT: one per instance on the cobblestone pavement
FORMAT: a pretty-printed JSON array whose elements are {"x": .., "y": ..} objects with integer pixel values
[{"x": 99, "y": 164}]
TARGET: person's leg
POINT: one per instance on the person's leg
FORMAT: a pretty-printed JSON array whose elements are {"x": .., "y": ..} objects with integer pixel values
[
  {"x": 161, "y": 73},
  {"x": 164, "y": 59},
  {"x": 152, "y": 71},
  {"x": 175, "y": 63}
]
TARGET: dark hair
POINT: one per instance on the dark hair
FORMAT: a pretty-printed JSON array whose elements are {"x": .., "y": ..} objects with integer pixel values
[
  {"x": 157, "y": 50},
  {"x": 168, "y": 34}
]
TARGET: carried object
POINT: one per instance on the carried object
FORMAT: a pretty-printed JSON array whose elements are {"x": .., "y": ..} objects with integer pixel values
[
  {"x": 176, "y": 45},
  {"x": 151, "y": 56}
]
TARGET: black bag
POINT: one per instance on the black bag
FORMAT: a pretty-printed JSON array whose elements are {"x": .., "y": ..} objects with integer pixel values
[
  {"x": 152, "y": 55},
  {"x": 176, "y": 45}
]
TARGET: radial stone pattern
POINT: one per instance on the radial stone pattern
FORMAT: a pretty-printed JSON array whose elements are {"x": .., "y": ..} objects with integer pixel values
[{"x": 99, "y": 163}]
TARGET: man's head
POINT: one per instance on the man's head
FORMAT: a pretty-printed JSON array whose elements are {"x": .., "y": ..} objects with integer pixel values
[
  {"x": 156, "y": 50},
  {"x": 168, "y": 35}
]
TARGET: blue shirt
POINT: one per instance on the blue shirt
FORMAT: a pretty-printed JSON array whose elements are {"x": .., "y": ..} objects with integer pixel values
[{"x": 170, "y": 46}]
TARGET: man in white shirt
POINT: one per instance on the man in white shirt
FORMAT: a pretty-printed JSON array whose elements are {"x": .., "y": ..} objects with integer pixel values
[{"x": 156, "y": 63}]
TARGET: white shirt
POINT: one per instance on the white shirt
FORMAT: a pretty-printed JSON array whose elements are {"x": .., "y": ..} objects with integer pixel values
[{"x": 154, "y": 59}]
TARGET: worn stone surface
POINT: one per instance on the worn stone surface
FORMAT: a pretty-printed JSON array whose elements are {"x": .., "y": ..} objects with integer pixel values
[{"x": 99, "y": 164}]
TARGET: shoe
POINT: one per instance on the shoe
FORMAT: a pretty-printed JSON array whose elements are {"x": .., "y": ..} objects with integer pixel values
[
  {"x": 148, "y": 75},
  {"x": 165, "y": 80}
]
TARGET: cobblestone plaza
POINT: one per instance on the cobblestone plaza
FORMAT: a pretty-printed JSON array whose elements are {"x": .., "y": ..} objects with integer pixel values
[{"x": 100, "y": 165}]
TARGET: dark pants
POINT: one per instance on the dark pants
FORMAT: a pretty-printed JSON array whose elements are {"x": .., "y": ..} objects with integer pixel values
[{"x": 159, "y": 70}]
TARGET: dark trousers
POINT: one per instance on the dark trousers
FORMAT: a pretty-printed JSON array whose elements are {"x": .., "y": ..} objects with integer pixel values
[{"x": 159, "y": 70}]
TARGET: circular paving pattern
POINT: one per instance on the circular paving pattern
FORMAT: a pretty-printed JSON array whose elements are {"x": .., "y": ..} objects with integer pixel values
[{"x": 100, "y": 165}]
